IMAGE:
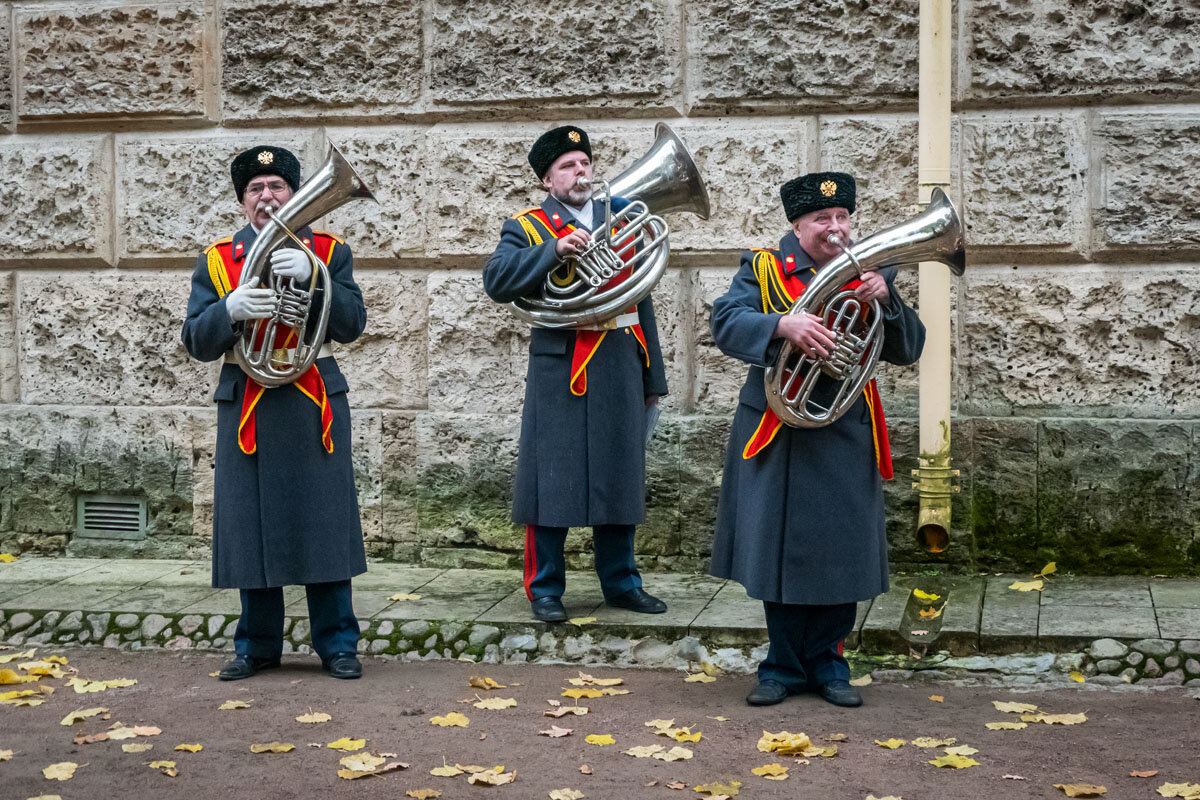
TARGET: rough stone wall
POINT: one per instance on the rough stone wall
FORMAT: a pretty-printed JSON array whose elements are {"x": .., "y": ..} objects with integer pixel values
[{"x": 1076, "y": 145}]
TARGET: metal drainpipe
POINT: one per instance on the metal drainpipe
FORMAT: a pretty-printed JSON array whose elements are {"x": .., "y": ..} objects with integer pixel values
[{"x": 935, "y": 478}]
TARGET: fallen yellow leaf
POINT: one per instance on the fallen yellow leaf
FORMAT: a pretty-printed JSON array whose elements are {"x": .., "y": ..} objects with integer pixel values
[
  {"x": 1077, "y": 676},
  {"x": 659, "y": 723},
  {"x": 564, "y": 710},
  {"x": 9, "y": 657},
  {"x": 81, "y": 714},
  {"x": 575, "y": 694},
  {"x": 1014, "y": 708},
  {"x": 674, "y": 754},
  {"x": 492, "y": 777},
  {"x": 273, "y": 747},
  {"x": 189, "y": 748},
  {"x": 890, "y": 744},
  {"x": 699, "y": 677},
  {"x": 496, "y": 703},
  {"x": 961, "y": 750},
  {"x": 581, "y": 621},
  {"x": 445, "y": 771},
  {"x": 1028, "y": 586},
  {"x": 7, "y": 558},
  {"x": 587, "y": 680},
  {"x": 889, "y": 797},
  {"x": 137, "y": 747},
  {"x": 451, "y": 720},
  {"x": 61, "y": 771},
  {"x": 1055, "y": 719},
  {"x": 772, "y": 772},
  {"x": 10, "y": 677},
  {"x": 784, "y": 743},
  {"x": 928, "y": 597},
  {"x": 565, "y": 794},
  {"x": 402, "y": 596},
  {"x": 599, "y": 739},
  {"x": 717, "y": 788},
  {"x": 165, "y": 767},
  {"x": 485, "y": 683},
  {"x": 1189, "y": 791},
  {"x": 314, "y": 718},
  {"x": 1081, "y": 789},
  {"x": 1006, "y": 726},
  {"x": 937, "y": 698},
  {"x": 931, "y": 613},
  {"x": 347, "y": 745},
  {"x": 556, "y": 732},
  {"x": 720, "y": 719},
  {"x": 6, "y": 755},
  {"x": 686, "y": 735},
  {"x": 954, "y": 762},
  {"x": 83, "y": 685},
  {"x": 929, "y": 741},
  {"x": 1149, "y": 773},
  {"x": 229, "y": 705},
  {"x": 1049, "y": 569},
  {"x": 864, "y": 680},
  {"x": 423, "y": 794},
  {"x": 645, "y": 751}
]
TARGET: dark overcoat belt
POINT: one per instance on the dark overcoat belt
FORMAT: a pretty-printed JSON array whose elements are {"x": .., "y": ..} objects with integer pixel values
[
  {"x": 288, "y": 514},
  {"x": 802, "y": 521},
  {"x": 582, "y": 459}
]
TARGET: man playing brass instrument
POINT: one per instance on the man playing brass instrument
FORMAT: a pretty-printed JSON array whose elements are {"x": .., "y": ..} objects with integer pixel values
[
  {"x": 582, "y": 450},
  {"x": 800, "y": 520},
  {"x": 285, "y": 509}
]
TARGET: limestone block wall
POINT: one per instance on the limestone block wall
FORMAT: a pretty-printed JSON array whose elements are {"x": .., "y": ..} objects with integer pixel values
[{"x": 1076, "y": 151}]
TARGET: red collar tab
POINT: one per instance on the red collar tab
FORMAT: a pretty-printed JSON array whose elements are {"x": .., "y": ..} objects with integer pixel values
[{"x": 238, "y": 251}]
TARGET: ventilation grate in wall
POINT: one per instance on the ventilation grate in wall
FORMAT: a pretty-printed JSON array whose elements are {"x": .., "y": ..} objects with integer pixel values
[{"x": 110, "y": 517}]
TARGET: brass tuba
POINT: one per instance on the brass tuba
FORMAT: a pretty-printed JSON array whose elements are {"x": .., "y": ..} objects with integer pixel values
[
  {"x": 334, "y": 184},
  {"x": 936, "y": 234},
  {"x": 575, "y": 293}
]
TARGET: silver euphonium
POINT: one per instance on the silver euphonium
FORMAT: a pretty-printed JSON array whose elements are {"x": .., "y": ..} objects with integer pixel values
[
  {"x": 574, "y": 294},
  {"x": 334, "y": 184},
  {"x": 936, "y": 234}
]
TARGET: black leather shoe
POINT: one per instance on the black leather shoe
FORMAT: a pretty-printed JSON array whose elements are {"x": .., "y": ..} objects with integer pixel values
[
  {"x": 767, "y": 693},
  {"x": 343, "y": 665},
  {"x": 245, "y": 666},
  {"x": 549, "y": 609},
  {"x": 638, "y": 600},
  {"x": 841, "y": 693}
]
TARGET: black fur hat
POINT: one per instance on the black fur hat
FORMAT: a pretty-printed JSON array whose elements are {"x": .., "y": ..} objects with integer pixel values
[
  {"x": 815, "y": 191},
  {"x": 552, "y": 144},
  {"x": 264, "y": 160}
]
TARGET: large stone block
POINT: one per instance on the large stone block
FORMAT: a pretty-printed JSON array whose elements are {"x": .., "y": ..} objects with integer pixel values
[
  {"x": 717, "y": 378},
  {"x": 6, "y": 107},
  {"x": 1024, "y": 181},
  {"x": 702, "y": 443},
  {"x": 1148, "y": 195},
  {"x": 387, "y": 366},
  {"x": 9, "y": 376},
  {"x": 743, "y": 167},
  {"x": 59, "y": 209},
  {"x": 673, "y": 312},
  {"x": 1004, "y": 494},
  {"x": 399, "y": 470},
  {"x": 367, "y": 439},
  {"x": 175, "y": 197},
  {"x": 659, "y": 537},
  {"x": 204, "y": 449},
  {"x": 1020, "y": 49},
  {"x": 78, "y": 62},
  {"x": 324, "y": 57},
  {"x": 106, "y": 339},
  {"x": 1091, "y": 341},
  {"x": 745, "y": 55},
  {"x": 393, "y": 162},
  {"x": 514, "y": 52},
  {"x": 49, "y": 456},
  {"x": 478, "y": 351},
  {"x": 1113, "y": 496}
]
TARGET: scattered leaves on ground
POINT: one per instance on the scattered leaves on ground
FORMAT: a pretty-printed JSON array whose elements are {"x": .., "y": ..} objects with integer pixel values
[
  {"x": 165, "y": 767},
  {"x": 717, "y": 788},
  {"x": 1015, "y": 778},
  {"x": 1035, "y": 585},
  {"x": 403, "y": 596},
  {"x": 961, "y": 750},
  {"x": 1005, "y": 726},
  {"x": 423, "y": 794},
  {"x": 581, "y": 621},
  {"x": 784, "y": 743},
  {"x": 1049, "y": 569},
  {"x": 1077, "y": 676},
  {"x": 189, "y": 748},
  {"x": 929, "y": 741},
  {"x": 272, "y": 747},
  {"x": 890, "y": 744},
  {"x": 9, "y": 657},
  {"x": 496, "y": 703},
  {"x": 1149, "y": 773},
  {"x": 927, "y": 597},
  {"x": 446, "y": 771},
  {"x": 6, "y": 755},
  {"x": 889, "y": 797},
  {"x": 644, "y": 751},
  {"x": 229, "y": 705},
  {"x": 718, "y": 719},
  {"x": 585, "y": 769},
  {"x": 599, "y": 739},
  {"x": 313, "y": 718},
  {"x": 576, "y": 694},
  {"x": 347, "y": 745},
  {"x": 954, "y": 762},
  {"x": 1081, "y": 789},
  {"x": 79, "y": 715},
  {"x": 699, "y": 677},
  {"x": 8, "y": 558},
  {"x": 565, "y": 794},
  {"x": 1188, "y": 791},
  {"x": 83, "y": 685},
  {"x": 587, "y": 680},
  {"x": 61, "y": 771},
  {"x": 937, "y": 698},
  {"x": 564, "y": 710},
  {"x": 556, "y": 732},
  {"x": 362, "y": 765},
  {"x": 864, "y": 680},
  {"x": 676, "y": 785},
  {"x": 478, "y": 682},
  {"x": 676, "y": 753},
  {"x": 1055, "y": 719},
  {"x": 137, "y": 747},
  {"x": 772, "y": 772},
  {"x": 492, "y": 777},
  {"x": 451, "y": 720}
]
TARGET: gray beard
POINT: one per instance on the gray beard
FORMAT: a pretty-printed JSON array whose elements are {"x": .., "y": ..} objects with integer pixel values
[{"x": 576, "y": 198}]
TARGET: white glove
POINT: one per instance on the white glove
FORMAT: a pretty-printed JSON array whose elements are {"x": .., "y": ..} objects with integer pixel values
[
  {"x": 249, "y": 302},
  {"x": 292, "y": 264}
]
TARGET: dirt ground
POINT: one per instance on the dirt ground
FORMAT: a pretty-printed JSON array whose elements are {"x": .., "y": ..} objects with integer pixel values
[{"x": 391, "y": 706}]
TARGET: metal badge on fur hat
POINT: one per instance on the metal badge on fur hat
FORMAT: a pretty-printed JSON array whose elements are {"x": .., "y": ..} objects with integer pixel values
[
  {"x": 815, "y": 191},
  {"x": 264, "y": 160},
  {"x": 553, "y": 143}
]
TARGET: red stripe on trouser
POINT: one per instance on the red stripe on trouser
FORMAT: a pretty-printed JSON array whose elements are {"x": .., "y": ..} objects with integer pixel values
[
  {"x": 530, "y": 561},
  {"x": 840, "y": 643}
]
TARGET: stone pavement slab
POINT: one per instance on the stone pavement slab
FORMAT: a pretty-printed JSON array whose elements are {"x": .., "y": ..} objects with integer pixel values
[
  {"x": 685, "y": 595},
  {"x": 1179, "y": 623},
  {"x": 228, "y": 601},
  {"x": 461, "y": 594},
  {"x": 1175, "y": 592},
  {"x": 731, "y": 619},
  {"x": 1009, "y": 621},
  {"x": 1116, "y": 591},
  {"x": 63, "y": 596},
  {"x": 582, "y": 599},
  {"x": 47, "y": 569},
  {"x": 158, "y": 599},
  {"x": 1063, "y": 628},
  {"x": 197, "y": 573},
  {"x": 960, "y": 620}
]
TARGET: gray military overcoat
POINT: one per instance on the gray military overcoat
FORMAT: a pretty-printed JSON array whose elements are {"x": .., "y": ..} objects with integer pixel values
[
  {"x": 582, "y": 460},
  {"x": 287, "y": 514},
  {"x": 801, "y": 522}
]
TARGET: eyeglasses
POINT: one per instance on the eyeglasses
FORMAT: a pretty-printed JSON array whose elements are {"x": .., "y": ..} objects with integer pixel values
[{"x": 276, "y": 187}]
